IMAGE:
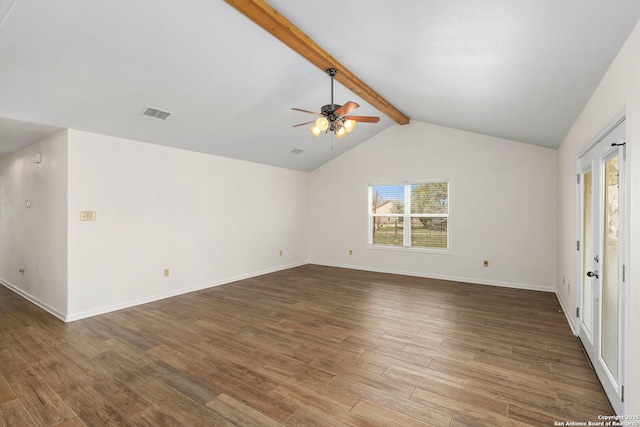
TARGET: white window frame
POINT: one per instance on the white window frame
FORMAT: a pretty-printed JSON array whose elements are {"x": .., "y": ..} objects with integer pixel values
[{"x": 407, "y": 218}]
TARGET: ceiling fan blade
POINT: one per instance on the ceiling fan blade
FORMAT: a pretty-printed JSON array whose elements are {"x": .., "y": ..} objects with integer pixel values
[
  {"x": 305, "y": 123},
  {"x": 306, "y": 111},
  {"x": 346, "y": 108},
  {"x": 365, "y": 119}
]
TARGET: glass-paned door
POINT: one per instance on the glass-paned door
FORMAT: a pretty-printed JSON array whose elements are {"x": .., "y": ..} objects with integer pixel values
[
  {"x": 602, "y": 287},
  {"x": 588, "y": 260},
  {"x": 610, "y": 262}
]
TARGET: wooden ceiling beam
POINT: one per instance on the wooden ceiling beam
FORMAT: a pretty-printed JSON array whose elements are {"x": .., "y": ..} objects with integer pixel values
[{"x": 268, "y": 18}]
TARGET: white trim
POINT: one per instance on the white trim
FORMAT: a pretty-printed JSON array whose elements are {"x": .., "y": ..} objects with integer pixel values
[
  {"x": 120, "y": 306},
  {"x": 623, "y": 355},
  {"x": 626, "y": 304},
  {"x": 615, "y": 120},
  {"x": 46, "y": 307},
  {"x": 605, "y": 130},
  {"x": 115, "y": 307},
  {"x": 475, "y": 281},
  {"x": 573, "y": 327},
  {"x": 579, "y": 195},
  {"x": 407, "y": 217},
  {"x": 420, "y": 249}
]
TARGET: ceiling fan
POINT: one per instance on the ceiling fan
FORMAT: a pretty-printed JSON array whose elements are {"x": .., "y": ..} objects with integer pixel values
[{"x": 334, "y": 118}]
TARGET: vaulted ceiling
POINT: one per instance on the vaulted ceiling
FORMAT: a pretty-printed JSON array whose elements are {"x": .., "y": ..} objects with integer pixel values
[{"x": 518, "y": 70}]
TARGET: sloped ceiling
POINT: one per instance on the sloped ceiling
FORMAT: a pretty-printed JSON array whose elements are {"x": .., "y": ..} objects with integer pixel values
[{"x": 519, "y": 70}]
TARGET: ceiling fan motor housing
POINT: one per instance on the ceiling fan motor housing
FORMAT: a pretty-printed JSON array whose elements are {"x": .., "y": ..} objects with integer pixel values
[
  {"x": 335, "y": 121},
  {"x": 330, "y": 121},
  {"x": 328, "y": 109}
]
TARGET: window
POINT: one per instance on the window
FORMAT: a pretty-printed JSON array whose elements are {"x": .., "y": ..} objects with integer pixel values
[{"x": 409, "y": 215}]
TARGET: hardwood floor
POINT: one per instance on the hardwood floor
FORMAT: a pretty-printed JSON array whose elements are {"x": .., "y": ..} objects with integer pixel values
[{"x": 310, "y": 346}]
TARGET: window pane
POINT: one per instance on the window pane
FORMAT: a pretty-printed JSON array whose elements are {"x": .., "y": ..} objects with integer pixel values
[
  {"x": 386, "y": 199},
  {"x": 610, "y": 265},
  {"x": 387, "y": 231},
  {"x": 430, "y": 198},
  {"x": 424, "y": 227},
  {"x": 587, "y": 233},
  {"x": 429, "y": 232}
]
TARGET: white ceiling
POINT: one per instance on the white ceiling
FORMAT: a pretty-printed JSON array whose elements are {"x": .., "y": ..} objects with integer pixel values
[{"x": 521, "y": 70}]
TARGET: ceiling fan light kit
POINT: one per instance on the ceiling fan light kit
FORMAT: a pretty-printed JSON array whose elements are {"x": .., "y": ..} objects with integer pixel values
[{"x": 333, "y": 117}]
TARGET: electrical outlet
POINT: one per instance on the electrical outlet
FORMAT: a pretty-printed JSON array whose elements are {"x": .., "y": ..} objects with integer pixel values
[
  {"x": 486, "y": 263},
  {"x": 350, "y": 252},
  {"x": 166, "y": 272},
  {"x": 87, "y": 215}
]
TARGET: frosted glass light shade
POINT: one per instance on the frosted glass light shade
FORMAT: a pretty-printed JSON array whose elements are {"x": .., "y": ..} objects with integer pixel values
[
  {"x": 349, "y": 125},
  {"x": 315, "y": 130},
  {"x": 341, "y": 133},
  {"x": 322, "y": 124}
]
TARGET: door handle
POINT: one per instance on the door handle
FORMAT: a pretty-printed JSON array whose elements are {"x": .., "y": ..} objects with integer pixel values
[{"x": 593, "y": 274}]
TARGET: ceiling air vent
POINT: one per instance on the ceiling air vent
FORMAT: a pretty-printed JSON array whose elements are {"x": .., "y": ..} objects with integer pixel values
[
  {"x": 297, "y": 151},
  {"x": 154, "y": 113}
]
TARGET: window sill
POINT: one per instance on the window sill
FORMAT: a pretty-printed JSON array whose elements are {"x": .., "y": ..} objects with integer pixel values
[{"x": 411, "y": 249}]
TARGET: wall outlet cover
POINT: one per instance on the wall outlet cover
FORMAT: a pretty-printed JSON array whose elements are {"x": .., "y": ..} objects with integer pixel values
[{"x": 87, "y": 215}]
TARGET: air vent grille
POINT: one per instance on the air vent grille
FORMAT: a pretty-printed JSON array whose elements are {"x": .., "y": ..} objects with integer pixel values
[
  {"x": 154, "y": 113},
  {"x": 297, "y": 151}
]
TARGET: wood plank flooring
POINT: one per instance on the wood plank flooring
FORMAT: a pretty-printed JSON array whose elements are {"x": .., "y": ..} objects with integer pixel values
[{"x": 309, "y": 346}]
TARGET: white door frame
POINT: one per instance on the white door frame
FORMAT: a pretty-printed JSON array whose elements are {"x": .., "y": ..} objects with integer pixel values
[{"x": 625, "y": 258}]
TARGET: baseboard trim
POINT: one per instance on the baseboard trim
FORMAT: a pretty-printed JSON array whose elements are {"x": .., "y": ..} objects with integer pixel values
[
  {"x": 567, "y": 315},
  {"x": 472, "y": 280},
  {"x": 46, "y": 307},
  {"x": 128, "y": 304}
]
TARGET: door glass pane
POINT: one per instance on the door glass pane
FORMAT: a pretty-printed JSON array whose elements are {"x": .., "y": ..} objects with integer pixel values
[
  {"x": 587, "y": 254},
  {"x": 610, "y": 267}
]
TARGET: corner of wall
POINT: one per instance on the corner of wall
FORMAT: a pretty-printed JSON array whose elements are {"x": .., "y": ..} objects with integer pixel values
[{"x": 33, "y": 231}]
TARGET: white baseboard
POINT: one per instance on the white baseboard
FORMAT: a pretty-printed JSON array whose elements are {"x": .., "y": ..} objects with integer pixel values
[
  {"x": 567, "y": 314},
  {"x": 472, "y": 280},
  {"x": 127, "y": 304},
  {"x": 46, "y": 307}
]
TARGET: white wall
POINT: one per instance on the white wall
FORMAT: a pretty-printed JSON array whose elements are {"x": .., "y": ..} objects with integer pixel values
[
  {"x": 208, "y": 219},
  {"x": 34, "y": 239},
  {"x": 503, "y": 201},
  {"x": 619, "y": 89}
]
